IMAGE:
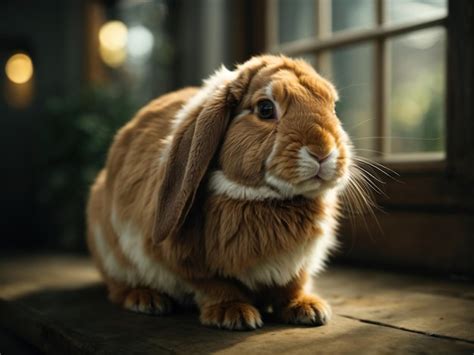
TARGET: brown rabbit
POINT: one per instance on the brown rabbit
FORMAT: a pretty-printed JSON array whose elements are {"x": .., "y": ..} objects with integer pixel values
[{"x": 225, "y": 196}]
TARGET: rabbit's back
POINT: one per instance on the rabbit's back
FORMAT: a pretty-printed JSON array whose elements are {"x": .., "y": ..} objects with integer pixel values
[{"x": 119, "y": 196}]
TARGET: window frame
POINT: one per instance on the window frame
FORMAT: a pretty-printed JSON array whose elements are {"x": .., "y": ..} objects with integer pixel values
[
  {"x": 426, "y": 220},
  {"x": 325, "y": 41}
]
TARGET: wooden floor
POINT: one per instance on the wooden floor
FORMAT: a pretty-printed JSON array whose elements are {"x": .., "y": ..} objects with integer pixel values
[{"x": 57, "y": 305}]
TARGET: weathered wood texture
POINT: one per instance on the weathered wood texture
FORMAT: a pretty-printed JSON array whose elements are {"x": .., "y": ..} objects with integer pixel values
[
  {"x": 59, "y": 305},
  {"x": 460, "y": 98},
  {"x": 434, "y": 241}
]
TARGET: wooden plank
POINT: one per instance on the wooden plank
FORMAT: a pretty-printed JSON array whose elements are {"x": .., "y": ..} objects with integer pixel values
[
  {"x": 460, "y": 98},
  {"x": 419, "y": 304},
  {"x": 412, "y": 240},
  {"x": 83, "y": 322},
  {"x": 26, "y": 274},
  {"x": 344, "y": 282},
  {"x": 419, "y": 190},
  {"x": 353, "y": 37},
  {"x": 65, "y": 310},
  {"x": 11, "y": 344}
]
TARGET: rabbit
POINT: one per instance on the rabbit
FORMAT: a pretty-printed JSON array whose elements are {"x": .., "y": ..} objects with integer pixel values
[{"x": 225, "y": 197}]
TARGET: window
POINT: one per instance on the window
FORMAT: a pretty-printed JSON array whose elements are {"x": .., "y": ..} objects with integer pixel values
[
  {"x": 400, "y": 85},
  {"x": 129, "y": 49},
  {"x": 387, "y": 59}
]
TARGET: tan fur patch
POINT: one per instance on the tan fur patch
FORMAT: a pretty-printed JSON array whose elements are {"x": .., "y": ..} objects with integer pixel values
[{"x": 238, "y": 233}]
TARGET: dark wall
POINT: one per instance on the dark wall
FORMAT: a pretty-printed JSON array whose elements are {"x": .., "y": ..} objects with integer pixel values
[
  {"x": 203, "y": 34},
  {"x": 50, "y": 31}
]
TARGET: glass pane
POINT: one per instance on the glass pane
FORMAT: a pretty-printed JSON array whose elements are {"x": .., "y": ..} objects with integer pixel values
[
  {"x": 355, "y": 14},
  {"x": 352, "y": 73},
  {"x": 409, "y": 10},
  {"x": 296, "y": 19},
  {"x": 417, "y": 91},
  {"x": 148, "y": 51}
]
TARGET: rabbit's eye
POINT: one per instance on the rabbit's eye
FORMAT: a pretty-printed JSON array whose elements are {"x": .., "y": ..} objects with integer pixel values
[{"x": 266, "y": 109}]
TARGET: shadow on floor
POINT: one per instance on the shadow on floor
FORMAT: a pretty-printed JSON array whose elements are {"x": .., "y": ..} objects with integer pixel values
[{"x": 83, "y": 319}]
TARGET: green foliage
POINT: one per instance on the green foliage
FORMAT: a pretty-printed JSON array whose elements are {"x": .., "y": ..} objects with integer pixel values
[
  {"x": 73, "y": 146},
  {"x": 417, "y": 113}
]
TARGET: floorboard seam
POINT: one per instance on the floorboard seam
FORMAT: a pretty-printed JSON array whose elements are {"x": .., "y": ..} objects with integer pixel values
[
  {"x": 62, "y": 335},
  {"x": 433, "y": 335}
]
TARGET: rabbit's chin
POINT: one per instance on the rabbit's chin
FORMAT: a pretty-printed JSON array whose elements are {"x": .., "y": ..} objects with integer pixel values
[
  {"x": 274, "y": 188},
  {"x": 310, "y": 188}
]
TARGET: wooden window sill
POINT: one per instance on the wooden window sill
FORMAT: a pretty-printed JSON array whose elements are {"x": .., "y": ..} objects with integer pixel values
[{"x": 415, "y": 162}]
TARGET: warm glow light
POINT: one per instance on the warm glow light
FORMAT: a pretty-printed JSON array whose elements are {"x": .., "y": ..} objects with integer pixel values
[
  {"x": 19, "y": 68},
  {"x": 113, "y": 41},
  {"x": 113, "y": 58},
  {"x": 113, "y": 35}
]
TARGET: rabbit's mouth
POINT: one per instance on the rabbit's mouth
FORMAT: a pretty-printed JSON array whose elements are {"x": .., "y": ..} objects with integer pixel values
[
  {"x": 319, "y": 169},
  {"x": 309, "y": 188},
  {"x": 309, "y": 174}
]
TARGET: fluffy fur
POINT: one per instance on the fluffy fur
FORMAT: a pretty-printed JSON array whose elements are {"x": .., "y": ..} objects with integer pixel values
[{"x": 202, "y": 201}]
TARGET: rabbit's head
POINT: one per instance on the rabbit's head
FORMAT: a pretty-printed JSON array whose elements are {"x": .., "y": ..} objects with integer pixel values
[{"x": 268, "y": 127}]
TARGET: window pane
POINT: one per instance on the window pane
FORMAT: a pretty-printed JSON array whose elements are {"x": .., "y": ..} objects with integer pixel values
[
  {"x": 409, "y": 10},
  {"x": 148, "y": 53},
  {"x": 352, "y": 73},
  {"x": 311, "y": 59},
  {"x": 355, "y": 14},
  {"x": 296, "y": 19},
  {"x": 417, "y": 87}
]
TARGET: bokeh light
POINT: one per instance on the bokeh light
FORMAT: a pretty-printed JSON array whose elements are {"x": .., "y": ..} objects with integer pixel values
[
  {"x": 19, "y": 68},
  {"x": 140, "y": 41},
  {"x": 113, "y": 58},
  {"x": 113, "y": 35},
  {"x": 113, "y": 41}
]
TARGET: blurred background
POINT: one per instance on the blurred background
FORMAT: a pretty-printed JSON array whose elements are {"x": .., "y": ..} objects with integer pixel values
[{"x": 72, "y": 72}]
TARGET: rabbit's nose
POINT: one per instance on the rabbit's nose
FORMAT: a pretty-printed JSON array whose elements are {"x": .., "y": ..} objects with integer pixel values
[
  {"x": 328, "y": 165},
  {"x": 321, "y": 158},
  {"x": 332, "y": 154}
]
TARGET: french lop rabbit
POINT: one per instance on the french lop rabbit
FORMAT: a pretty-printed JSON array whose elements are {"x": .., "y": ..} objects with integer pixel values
[{"x": 225, "y": 196}]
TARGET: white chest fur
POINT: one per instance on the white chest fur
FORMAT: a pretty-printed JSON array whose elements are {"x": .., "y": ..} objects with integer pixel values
[{"x": 148, "y": 271}]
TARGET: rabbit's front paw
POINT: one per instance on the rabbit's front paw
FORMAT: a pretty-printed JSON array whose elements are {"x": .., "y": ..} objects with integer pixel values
[
  {"x": 148, "y": 301},
  {"x": 231, "y": 315},
  {"x": 306, "y": 310}
]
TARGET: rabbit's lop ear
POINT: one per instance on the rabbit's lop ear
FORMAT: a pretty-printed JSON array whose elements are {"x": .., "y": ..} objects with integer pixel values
[{"x": 193, "y": 147}]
